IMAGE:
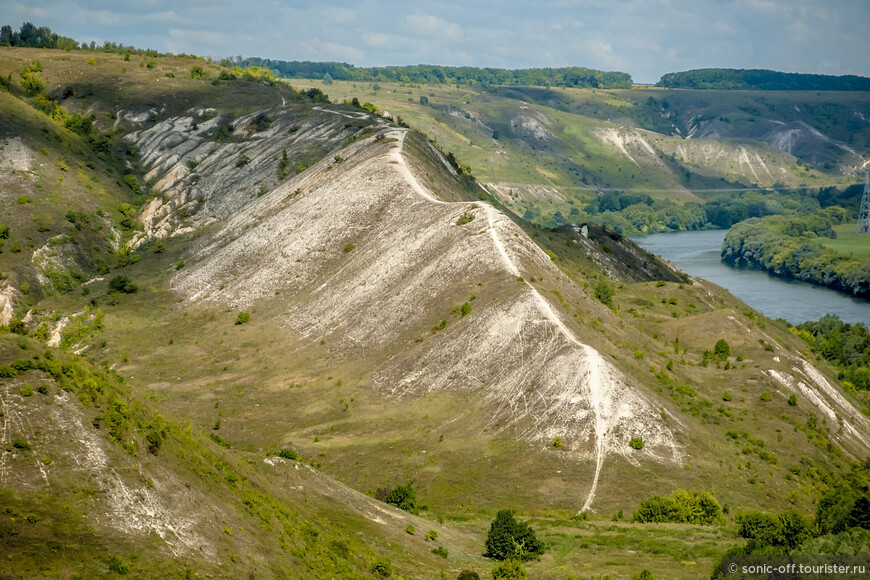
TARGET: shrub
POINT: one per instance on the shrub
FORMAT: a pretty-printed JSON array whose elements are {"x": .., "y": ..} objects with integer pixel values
[
  {"x": 123, "y": 284},
  {"x": 722, "y": 349},
  {"x": 766, "y": 397},
  {"x": 644, "y": 575},
  {"x": 349, "y": 247},
  {"x": 196, "y": 72},
  {"x": 785, "y": 531},
  {"x": 792, "y": 400},
  {"x": 381, "y": 568},
  {"x": 26, "y": 390},
  {"x": 243, "y": 318},
  {"x": 509, "y": 570},
  {"x": 118, "y": 566},
  {"x": 431, "y": 535},
  {"x": 4, "y": 232},
  {"x": 636, "y": 443},
  {"x": 403, "y": 497},
  {"x": 468, "y": 575},
  {"x": 242, "y": 160},
  {"x": 604, "y": 293},
  {"x": 410, "y": 530},
  {"x": 690, "y": 507},
  {"x": 440, "y": 551},
  {"x": 132, "y": 183},
  {"x": 509, "y": 539},
  {"x": 17, "y": 326},
  {"x": 656, "y": 509},
  {"x": 288, "y": 454},
  {"x": 466, "y": 217}
]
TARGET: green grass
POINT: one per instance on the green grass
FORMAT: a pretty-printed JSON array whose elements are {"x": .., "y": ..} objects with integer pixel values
[
  {"x": 849, "y": 242},
  {"x": 269, "y": 389}
]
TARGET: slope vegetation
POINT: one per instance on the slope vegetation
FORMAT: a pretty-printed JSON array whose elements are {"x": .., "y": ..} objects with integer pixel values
[{"x": 310, "y": 277}]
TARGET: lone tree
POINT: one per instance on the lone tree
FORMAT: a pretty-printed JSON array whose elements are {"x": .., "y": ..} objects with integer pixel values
[
  {"x": 722, "y": 349},
  {"x": 510, "y": 539},
  {"x": 402, "y": 496}
]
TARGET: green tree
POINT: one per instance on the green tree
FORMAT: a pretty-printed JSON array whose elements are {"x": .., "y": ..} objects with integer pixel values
[
  {"x": 403, "y": 497},
  {"x": 722, "y": 349},
  {"x": 510, "y": 539},
  {"x": 123, "y": 284},
  {"x": 604, "y": 293}
]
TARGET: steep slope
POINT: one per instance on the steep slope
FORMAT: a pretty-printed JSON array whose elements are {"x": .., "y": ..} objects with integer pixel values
[
  {"x": 409, "y": 250},
  {"x": 368, "y": 305},
  {"x": 94, "y": 482},
  {"x": 358, "y": 253}
]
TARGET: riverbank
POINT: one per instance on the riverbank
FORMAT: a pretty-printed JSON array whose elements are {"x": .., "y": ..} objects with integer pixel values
[
  {"x": 801, "y": 247},
  {"x": 698, "y": 254}
]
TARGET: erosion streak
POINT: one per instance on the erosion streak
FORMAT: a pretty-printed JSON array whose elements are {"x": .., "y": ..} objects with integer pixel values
[{"x": 591, "y": 361}]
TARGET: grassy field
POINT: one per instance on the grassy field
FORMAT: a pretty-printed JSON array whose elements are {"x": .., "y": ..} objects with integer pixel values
[{"x": 849, "y": 242}]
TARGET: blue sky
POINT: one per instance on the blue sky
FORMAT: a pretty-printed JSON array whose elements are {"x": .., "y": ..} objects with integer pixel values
[{"x": 645, "y": 38}]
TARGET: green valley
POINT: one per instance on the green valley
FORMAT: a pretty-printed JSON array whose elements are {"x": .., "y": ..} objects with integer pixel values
[{"x": 250, "y": 328}]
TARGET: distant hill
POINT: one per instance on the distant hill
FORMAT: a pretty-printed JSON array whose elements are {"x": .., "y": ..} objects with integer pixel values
[
  {"x": 560, "y": 77},
  {"x": 760, "y": 79}
]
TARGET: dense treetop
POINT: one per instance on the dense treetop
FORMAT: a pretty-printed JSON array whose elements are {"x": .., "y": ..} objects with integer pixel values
[
  {"x": 35, "y": 37},
  {"x": 760, "y": 79},
  {"x": 466, "y": 75}
]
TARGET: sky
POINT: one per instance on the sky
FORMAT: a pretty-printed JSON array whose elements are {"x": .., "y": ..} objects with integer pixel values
[{"x": 645, "y": 38}]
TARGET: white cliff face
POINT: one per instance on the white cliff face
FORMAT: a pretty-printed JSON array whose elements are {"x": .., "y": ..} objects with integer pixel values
[
  {"x": 198, "y": 179},
  {"x": 538, "y": 380}
]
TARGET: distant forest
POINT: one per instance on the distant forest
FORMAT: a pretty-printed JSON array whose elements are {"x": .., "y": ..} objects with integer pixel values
[
  {"x": 432, "y": 74},
  {"x": 35, "y": 37},
  {"x": 32, "y": 36},
  {"x": 760, "y": 80}
]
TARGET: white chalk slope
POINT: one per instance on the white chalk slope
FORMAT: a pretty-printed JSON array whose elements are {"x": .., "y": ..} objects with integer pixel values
[{"x": 538, "y": 379}]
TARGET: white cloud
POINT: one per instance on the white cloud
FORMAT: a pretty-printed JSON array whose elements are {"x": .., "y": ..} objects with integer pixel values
[
  {"x": 723, "y": 27},
  {"x": 429, "y": 25},
  {"x": 167, "y": 16}
]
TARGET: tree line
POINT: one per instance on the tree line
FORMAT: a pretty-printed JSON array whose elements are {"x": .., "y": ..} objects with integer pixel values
[
  {"x": 762, "y": 80},
  {"x": 841, "y": 525},
  {"x": 32, "y": 36},
  {"x": 433, "y": 74},
  {"x": 639, "y": 214},
  {"x": 788, "y": 246}
]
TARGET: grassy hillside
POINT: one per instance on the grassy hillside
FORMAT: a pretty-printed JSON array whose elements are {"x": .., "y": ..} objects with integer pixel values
[
  {"x": 399, "y": 329},
  {"x": 543, "y": 151}
]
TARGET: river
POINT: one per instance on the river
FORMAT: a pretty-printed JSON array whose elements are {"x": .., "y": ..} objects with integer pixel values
[{"x": 698, "y": 254}]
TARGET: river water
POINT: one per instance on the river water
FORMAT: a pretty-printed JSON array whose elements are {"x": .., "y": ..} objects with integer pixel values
[{"x": 698, "y": 254}]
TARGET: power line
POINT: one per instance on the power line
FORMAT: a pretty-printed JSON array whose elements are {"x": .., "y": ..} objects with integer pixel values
[{"x": 863, "y": 226}]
